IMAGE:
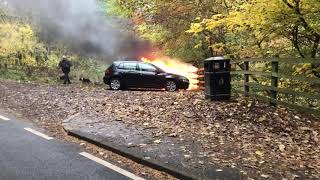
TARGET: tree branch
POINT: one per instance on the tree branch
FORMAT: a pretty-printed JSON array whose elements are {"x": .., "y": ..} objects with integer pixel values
[
  {"x": 315, "y": 46},
  {"x": 288, "y": 4},
  {"x": 295, "y": 42},
  {"x": 306, "y": 26}
]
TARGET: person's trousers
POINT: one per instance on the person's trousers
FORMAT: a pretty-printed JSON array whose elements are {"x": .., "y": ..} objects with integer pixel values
[{"x": 66, "y": 78}]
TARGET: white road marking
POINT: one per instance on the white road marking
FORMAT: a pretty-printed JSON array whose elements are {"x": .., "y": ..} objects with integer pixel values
[
  {"x": 4, "y": 118},
  {"x": 38, "y": 133},
  {"x": 111, "y": 166}
]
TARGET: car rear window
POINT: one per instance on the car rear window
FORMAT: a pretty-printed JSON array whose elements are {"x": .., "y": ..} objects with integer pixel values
[{"x": 128, "y": 66}]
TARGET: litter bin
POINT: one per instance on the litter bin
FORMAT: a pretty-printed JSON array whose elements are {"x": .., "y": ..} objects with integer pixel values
[{"x": 217, "y": 78}]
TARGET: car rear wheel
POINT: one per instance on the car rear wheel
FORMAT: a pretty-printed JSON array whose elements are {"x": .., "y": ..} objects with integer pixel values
[
  {"x": 171, "y": 86},
  {"x": 115, "y": 84}
]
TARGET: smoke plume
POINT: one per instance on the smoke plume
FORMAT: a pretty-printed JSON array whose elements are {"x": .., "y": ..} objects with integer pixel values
[{"x": 81, "y": 25}]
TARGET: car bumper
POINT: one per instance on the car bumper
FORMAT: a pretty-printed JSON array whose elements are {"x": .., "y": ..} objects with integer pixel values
[
  {"x": 183, "y": 85},
  {"x": 106, "y": 80}
]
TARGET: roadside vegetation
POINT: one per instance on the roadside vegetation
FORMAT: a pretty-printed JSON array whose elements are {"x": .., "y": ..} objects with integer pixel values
[
  {"x": 189, "y": 30},
  {"x": 25, "y": 57}
]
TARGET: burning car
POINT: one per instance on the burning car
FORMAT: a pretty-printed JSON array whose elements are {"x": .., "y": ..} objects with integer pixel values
[{"x": 138, "y": 74}]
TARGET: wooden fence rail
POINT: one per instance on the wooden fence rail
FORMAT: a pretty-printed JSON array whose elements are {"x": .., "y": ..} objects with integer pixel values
[{"x": 273, "y": 90}]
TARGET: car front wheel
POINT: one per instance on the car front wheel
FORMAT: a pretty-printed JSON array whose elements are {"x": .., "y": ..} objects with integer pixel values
[
  {"x": 115, "y": 84},
  {"x": 171, "y": 86}
]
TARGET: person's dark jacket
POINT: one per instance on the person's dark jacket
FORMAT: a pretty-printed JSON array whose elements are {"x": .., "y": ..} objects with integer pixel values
[{"x": 65, "y": 65}]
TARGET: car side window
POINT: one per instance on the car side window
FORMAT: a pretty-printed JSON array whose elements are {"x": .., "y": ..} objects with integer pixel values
[
  {"x": 120, "y": 66},
  {"x": 128, "y": 66},
  {"x": 147, "y": 67}
]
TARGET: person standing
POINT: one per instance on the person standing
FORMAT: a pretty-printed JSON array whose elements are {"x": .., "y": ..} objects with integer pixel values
[{"x": 65, "y": 66}]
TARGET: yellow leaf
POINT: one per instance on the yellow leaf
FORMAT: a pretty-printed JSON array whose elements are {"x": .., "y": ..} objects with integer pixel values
[
  {"x": 157, "y": 141},
  {"x": 259, "y": 153},
  {"x": 282, "y": 147},
  {"x": 195, "y": 28}
]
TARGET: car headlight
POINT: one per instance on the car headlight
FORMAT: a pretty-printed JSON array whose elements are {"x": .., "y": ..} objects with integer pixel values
[{"x": 184, "y": 79}]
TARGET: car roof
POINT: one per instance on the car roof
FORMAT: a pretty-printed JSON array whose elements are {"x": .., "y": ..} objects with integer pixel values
[{"x": 119, "y": 62}]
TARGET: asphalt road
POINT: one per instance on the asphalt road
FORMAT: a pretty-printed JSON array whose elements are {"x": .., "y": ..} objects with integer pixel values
[{"x": 26, "y": 154}]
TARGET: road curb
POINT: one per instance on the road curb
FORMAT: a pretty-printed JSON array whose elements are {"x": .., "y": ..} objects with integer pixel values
[{"x": 123, "y": 152}]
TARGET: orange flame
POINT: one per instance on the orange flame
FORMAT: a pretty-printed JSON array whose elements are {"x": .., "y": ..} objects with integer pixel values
[{"x": 178, "y": 67}]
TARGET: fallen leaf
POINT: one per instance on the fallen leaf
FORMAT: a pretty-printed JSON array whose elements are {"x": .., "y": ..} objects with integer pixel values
[
  {"x": 142, "y": 145},
  {"x": 196, "y": 101},
  {"x": 282, "y": 147},
  {"x": 305, "y": 129},
  {"x": 263, "y": 118},
  {"x": 173, "y": 135},
  {"x": 188, "y": 114},
  {"x": 259, "y": 153},
  {"x": 265, "y": 176},
  {"x": 217, "y": 125}
]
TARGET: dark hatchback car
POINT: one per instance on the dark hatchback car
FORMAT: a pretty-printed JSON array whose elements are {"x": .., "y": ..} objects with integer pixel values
[{"x": 137, "y": 74}]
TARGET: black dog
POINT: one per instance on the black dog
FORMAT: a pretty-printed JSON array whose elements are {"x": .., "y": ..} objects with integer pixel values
[{"x": 85, "y": 80}]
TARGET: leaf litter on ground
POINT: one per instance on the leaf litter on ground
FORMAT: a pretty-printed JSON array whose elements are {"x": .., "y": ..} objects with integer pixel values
[{"x": 242, "y": 131}]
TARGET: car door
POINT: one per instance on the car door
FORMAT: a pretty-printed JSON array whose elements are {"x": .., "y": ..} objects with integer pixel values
[
  {"x": 151, "y": 77},
  {"x": 130, "y": 74}
]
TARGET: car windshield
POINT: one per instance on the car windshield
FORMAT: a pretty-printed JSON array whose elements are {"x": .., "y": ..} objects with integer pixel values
[{"x": 159, "y": 69}]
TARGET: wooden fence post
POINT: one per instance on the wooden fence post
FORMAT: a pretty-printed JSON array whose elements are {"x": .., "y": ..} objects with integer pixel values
[
  {"x": 246, "y": 79},
  {"x": 274, "y": 82}
]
